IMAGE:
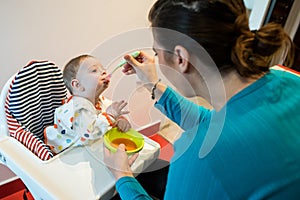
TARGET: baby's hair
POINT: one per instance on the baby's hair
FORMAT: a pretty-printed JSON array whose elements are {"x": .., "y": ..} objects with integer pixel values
[{"x": 71, "y": 69}]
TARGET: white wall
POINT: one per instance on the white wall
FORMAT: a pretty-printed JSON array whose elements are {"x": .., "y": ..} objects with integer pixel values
[
  {"x": 258, "y": 13},
  {"x": 60, "y": 30}
]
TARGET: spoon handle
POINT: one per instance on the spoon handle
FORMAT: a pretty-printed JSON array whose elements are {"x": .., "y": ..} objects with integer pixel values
[{"x": 123, "y": 62}]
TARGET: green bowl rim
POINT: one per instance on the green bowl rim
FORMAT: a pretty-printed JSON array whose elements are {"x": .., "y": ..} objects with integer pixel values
[{"x": 113, "y": 149}]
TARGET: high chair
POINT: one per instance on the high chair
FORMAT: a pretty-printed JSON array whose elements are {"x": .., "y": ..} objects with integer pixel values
[{"x": 27, "y": 101}]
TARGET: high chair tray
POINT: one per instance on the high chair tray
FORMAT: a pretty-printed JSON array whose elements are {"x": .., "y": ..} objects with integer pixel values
[{"x": 75, "y": 174}]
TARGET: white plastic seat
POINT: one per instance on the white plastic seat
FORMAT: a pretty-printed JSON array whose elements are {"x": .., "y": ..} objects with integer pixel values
[
  {"x": 77, "y": 173},
  {"x": 3, "y": 124}
]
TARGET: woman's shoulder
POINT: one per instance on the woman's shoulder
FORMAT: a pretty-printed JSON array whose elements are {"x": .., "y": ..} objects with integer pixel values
[{"x": 282, "y": 71}]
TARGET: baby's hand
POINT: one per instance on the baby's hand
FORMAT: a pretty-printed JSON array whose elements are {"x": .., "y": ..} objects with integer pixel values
[
  {"x": 115, "y": 109},
  {"x": 123, "y": 124}
]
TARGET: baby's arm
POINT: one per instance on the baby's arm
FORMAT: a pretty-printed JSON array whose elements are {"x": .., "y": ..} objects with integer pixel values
[
  {"x": 123, "y": 124},
  {"x": 115, "y": 110}
]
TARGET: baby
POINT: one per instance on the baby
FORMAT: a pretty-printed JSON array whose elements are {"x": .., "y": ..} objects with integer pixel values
[{"x": 86, "y": 115}]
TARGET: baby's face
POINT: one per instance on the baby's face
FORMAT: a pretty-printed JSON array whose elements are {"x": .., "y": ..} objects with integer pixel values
[{"x": 92, "y": 77}]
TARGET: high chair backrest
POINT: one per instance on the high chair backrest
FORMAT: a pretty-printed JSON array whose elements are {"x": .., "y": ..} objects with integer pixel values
[{"x": 34, "y": 93}]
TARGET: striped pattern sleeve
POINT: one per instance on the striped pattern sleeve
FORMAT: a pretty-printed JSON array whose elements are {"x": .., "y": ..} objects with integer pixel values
[{"x": 35, "y": 92}]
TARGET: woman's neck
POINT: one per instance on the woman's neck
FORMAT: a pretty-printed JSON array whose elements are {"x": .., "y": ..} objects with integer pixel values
[
  {"x": 234, "y": 83},
  {"x": 221, "y": 87}
]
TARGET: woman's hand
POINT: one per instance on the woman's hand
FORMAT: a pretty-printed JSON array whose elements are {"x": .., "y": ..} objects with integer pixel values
[
  {"x": 119, "y": 163},
  {"x": 116, "y": 109},
  {"x": 143, "y": 66}
]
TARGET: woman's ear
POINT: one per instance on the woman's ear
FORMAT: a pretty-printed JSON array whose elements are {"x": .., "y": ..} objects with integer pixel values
[{"x": 182, "y": 58}]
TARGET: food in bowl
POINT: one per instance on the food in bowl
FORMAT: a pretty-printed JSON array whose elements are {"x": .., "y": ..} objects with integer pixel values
[
  {"x": 132, "y": 139},
  {"x": 129, "y": 145}
]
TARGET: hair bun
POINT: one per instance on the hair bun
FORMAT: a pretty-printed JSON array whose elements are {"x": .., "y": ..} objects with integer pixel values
[
  {"x": 268, "y": 39},
  {"x": 255, "y": 51}
]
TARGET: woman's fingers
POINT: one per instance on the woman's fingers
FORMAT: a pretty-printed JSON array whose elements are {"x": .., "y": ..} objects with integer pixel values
[
  {"x": 132, "y": 159},
  {"x": 119, "y": 163},
  {"x": 132, "y": 61},
  {"x": 121, "y": 147},
  {"x": 128, "y": 69}
]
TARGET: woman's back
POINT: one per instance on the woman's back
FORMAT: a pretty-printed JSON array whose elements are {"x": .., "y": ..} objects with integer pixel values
[{"x": 257, "y": 154}]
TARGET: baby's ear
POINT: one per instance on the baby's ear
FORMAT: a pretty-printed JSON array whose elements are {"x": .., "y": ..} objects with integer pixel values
[
  {"x": 74, "y": 83},
  {"x": 76, "y": 86}
]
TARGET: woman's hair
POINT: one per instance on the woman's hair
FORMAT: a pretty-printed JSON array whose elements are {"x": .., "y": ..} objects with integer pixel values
[
  {"x": 221, "y": 27},
  {"x": 71, "y": 69}
]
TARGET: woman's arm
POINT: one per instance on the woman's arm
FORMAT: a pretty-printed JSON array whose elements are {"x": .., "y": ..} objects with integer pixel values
[
  {"x": 129, "y": 188},
  {"x": 119, "y": 165},
  {"x": 181, "y": 110}
]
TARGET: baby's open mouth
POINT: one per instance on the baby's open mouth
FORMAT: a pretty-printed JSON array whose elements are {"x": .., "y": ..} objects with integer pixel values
[{"x": 106, "y": 81}]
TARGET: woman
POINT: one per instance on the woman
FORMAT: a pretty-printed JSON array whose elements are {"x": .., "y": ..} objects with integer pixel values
[{"x": 247, "y": 147}]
